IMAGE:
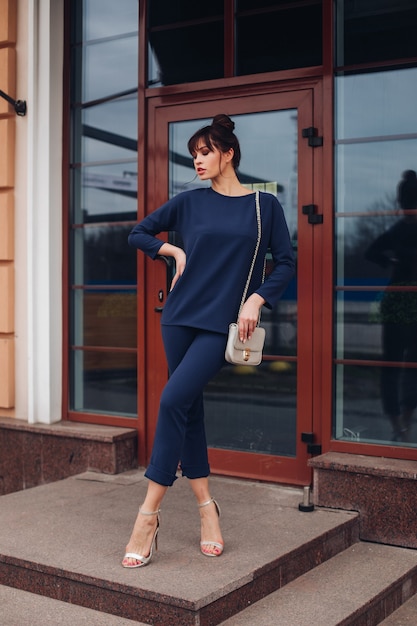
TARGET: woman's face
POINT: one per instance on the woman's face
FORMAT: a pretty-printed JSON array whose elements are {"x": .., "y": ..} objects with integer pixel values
[{"x": 210, "y": 163}]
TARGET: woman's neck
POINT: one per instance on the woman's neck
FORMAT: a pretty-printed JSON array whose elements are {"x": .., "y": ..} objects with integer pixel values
[{"x": 229, "y": 186}]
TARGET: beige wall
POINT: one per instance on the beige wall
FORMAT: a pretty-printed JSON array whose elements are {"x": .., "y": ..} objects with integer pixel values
[{"x": 7, "y": 206}]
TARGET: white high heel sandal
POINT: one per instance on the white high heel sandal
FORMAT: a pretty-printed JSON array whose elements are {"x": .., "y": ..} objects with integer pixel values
[
  {"x": 144, "y": 560},
  {"x": 212, "y": 544}
]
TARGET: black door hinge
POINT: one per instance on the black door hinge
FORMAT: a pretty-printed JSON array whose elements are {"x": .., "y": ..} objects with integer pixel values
[
  {"x": 313, "y": 216},
  {"x": 312, "y": 448},
  {"x": 311, "y": 133}
]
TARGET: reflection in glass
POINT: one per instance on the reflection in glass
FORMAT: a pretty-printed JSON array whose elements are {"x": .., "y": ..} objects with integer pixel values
[
  {"x": 173, "y": 59},
  {"x": 107, "y": 382},
  {"x": 357, "y": 325},
  {"x": 105, "y": 193},
  {"x": 255, "y": 410},
  {"x": 109, "y": 318},
  {"x": 105, "y": 69},
  {"x": 368, "y": 105},
  {"x": 367, "y": 173},
  {"x": 359, "y": 416},
  {"x": 103, "y": 206},
  {"x": 379, "y": 323},
  {"x": 106, "y": 257},
  {"x": 279, "y": 40},
  {"x": 161, "y": 12},
  {"x": 107, "y": 18},
  {"x": 109, "y": 131},
  {"x": 396, "y": 249},
  {"x": 369, "y": 31}
]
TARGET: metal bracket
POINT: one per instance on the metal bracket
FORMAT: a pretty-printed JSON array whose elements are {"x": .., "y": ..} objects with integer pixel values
[
  {"x": 311, "y": 133},
  {"x": 18, "y": 105},
  {"x": 313, "y": 216},
  {"x": 312, "y": 448}
]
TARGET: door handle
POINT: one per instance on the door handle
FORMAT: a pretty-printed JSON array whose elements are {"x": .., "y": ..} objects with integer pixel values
[{"x": 169, "y": 262}]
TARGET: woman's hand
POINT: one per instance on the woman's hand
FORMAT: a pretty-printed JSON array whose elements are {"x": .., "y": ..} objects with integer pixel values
[
  {"x": 249, "y": 316},
  {"x": 167, "y": 249},
  {"x": 180, "y": 263}
]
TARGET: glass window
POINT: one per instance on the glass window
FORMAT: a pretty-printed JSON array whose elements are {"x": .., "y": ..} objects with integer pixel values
[
  {"x": 280, "y": 39},
  {"x": 105, "y": 68},
  {"x": 162, "y": 12},
  {"x": 103, "y": 207},
  {"x": 375, "y": 104},
  {"x": 375, "y": 30},
  {"x": 186, "y": 54},
  {"x": 107, "y": 18},
  {"x": 376, "y": 258},
  {"x": 190, "y": 42}
]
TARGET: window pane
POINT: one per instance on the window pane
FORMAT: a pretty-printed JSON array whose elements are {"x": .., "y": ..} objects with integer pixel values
[
  {"x": 108, "y": 318},
  {"x": 245, "y": 5},
  {"x": 105, "y": 382},
  {"x": 375, "y": 30},
  {"x": 107, "y": 18},
  {"x": 279, "y": 40},
  {"x": 107, "y": 132},
  {"x": 105, "y": 69},
  {"x": 257, "y": 415},
  {"x": 103, "y": 207},
  {"x": 173, "y": 56},
  {"x": 358, "y": 400},
  {"x": 375, "y": 104},
  {"x": 103, "y": 256},
  {"x": 376, "y": 258},
  {"x": 368, "y": 173},
  {"x": 162, "y": 12},
  {"x": 105, "y": 193}
]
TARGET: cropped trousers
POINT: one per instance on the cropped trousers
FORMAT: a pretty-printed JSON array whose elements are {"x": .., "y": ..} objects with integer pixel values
[{"x": 194, "y": 356}]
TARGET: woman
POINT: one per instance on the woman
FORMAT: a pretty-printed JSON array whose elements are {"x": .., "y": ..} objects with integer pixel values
[
  {"x": 396, "y": 249},
  {"x": 218, "y": 228}
]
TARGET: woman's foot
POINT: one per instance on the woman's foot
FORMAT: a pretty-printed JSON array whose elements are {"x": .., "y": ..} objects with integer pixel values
[
  {"x": 211, "y": 543},
  {"x": 143, "y": 539}
]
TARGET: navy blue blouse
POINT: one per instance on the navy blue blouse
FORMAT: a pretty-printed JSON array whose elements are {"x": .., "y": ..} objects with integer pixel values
[{"x": 219, "y": 235}]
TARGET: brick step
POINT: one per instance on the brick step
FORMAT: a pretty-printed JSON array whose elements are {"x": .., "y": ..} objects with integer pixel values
[
  {"x": 358, "y": 587},
  {"x": 65, "y": 540}
]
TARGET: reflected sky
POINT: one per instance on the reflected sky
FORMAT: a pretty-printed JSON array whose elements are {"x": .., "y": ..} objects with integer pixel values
[{"x": 372, "y": 110}]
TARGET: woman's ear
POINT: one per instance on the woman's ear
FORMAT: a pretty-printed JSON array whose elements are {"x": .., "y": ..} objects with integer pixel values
[{"x": 229, "y": 155}]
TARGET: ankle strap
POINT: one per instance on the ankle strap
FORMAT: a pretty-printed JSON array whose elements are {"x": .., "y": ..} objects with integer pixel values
[
  {"x": 206, "y": 503},
  {"x": 149, "y": 512}
]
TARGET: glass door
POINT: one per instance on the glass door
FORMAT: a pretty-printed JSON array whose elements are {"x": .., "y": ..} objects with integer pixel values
[{"x": 255, "y": 416}]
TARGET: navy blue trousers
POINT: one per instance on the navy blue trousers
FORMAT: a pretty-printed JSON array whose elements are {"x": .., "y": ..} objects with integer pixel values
[{"x": 194, "y": 356}]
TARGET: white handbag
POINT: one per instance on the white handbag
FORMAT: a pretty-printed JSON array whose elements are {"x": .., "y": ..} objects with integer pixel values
[{"x": 250, "y": 352}]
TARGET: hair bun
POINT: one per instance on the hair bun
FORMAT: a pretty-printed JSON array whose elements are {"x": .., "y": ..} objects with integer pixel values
[{"x": 223, "y": 120}]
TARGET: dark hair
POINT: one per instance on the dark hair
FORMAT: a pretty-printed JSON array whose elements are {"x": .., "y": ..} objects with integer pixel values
[
  {"x": 407, "y": 190},
  {"x": 218, "y": 135}
]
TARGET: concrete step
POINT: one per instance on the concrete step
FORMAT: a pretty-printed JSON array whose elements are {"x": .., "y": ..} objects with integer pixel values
[
  {"x": 406, "y": 615},
  {"x": 358, "y": 587},
  {"x": 66, "y": 540},
  {"x": 22, "y": 608}
]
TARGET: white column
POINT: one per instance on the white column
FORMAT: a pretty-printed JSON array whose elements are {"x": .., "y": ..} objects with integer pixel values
[{"x": 44, "y": 210}]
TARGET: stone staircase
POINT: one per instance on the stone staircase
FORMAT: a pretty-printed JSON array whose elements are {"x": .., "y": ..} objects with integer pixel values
[
  {"x": 61, "y": 546},
  {"x": 63, "y": 543}
]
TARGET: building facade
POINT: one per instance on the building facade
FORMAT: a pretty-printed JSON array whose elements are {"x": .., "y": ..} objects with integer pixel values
[{"x": 322, "y": 93}]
